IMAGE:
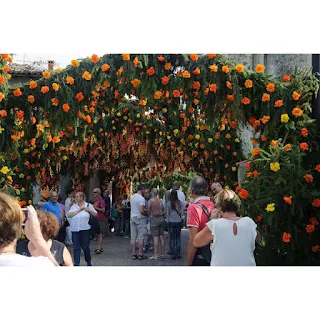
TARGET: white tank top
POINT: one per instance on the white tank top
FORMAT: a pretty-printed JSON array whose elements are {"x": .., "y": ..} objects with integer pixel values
[{"x": 229, "y": 249}]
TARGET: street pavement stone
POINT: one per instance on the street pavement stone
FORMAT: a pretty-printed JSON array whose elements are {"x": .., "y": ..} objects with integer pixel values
[{"x": 117, "y": 252}]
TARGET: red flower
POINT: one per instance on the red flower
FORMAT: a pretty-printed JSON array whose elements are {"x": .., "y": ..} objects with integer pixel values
[
  {"x": 286, "y": 237},
  {"x": 318, "y": 167},
  {"x": 243, "y": 194},
  {"x": 310, "y": 228},
  {"x": 314, "y": 221},
  {"x": 304, "y": 146},
  {"x": 316, "y": 203}
]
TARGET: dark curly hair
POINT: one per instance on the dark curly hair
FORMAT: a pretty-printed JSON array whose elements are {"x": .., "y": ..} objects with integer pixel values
[
  {"x": 11, "y": 219},
  {"x": 49, "y": 224}
]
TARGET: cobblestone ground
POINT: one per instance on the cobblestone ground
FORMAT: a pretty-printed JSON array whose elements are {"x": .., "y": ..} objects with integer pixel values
[{"x": 117, "y": 252}]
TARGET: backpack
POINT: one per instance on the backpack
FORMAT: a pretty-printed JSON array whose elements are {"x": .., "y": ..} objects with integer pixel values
[{"x": 205, "y": 251}]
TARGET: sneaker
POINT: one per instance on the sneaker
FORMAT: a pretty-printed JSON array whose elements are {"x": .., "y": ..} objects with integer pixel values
[
  {"x": 142, "y": 257},
  {"x": 154, "y": 258},
  {"x": 162, "y": 256},
  {"x": 151, "y": 248}
]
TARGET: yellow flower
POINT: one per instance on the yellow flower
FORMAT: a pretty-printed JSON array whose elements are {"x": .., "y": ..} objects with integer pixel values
[
  {"x": 64, "y": 157},
  {"x": 210, "y": 140},
  {"x": 4, "y": 170},
  {"x": 175, "y": 131},
  {"x": 275, "y": 166},
  {"x": 197, "y": 137},
  {"x": 1, "y": 129},
  {"x": 284, "y": 118},
  {"x": 234, "y": 169},
  {"x": 21, "y": 175},
  {"x": 237, "y": 140},
  {"x": 270, "y": 207},
  {"x": 138, "y": 115},
  {"x": 164, "y": 110}
]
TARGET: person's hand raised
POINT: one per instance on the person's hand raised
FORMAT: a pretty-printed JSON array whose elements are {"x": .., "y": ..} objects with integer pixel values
[{"x": 32, "y": 226}]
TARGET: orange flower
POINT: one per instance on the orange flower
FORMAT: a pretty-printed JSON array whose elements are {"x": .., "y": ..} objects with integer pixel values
[
  {"x": 126, "y": 56},
  {"x": 287, "y": 147},
  {"x": 32, "y": 84},
  {"x": 86, "y": 75},
  {"x": 288, "y": 200},
  {"x": 136, "y": 61},
  {"x": 167, "y": 66},
  {"x": 135, "y": 83},
  {"x": 194, "y": 57},
  {"x": 255, "y": 151},
  {"x": 213, "y": 87},
  {"x": 213, "y": 68},
  {"x": 304, "y": 132},
  {"x": 314, "y": 221},
  {"x": 55, "y": 102},
  {"x": 308, "y": 178},
  {"x": 196, "y": 71},
  {"x": 56, "y": 139},
  {"x": 211, "y": 55},
  {"x": 176, "y": 93},
  {"x": 265, "y": 97},
  {"x": 17, "y": 92},
  {"x": 263, "y": 138},
  {"x": 44, "y": 89},
  {"x": 79, "y": 96},
  {"x": 228, "y": 136},
  {"x": 75, "y": 63},
  {"x": 296, "y": 95},
  {"x": 225, "y": 69},
  {"x": 316, "y": 203},
  {"x": 196, "y": 85},
  {"x": 243, "y": 194},
  {"x": 239, "y": 68},
  {"x": 229, "y": 85},
  {"x": 33, "y": 141},
  {"x": 69, "y": 80},
  {"x": 3, "y": 113},
  {"x": 230, "y": 97},
  {"x": 297, "y": 112},
  {"x": 274, "y": 143},
  {"x": 65, "y": 107},
  {"x": 105, "y": 67},
  {"x": 191, "y": 110},
  {"x": 255, "y": 173},
  {"x": 87, "y": 119},
  {"x": 151, "y": 71},
  {"x": 186, "y": 74},
  {"x": 315, "y": 249},
  {"x": 161, "y": 58},
  {"x": 6, "y": 68},
  {"x": 270, "y": 87},
  {"x": 55, "y": 86},
  {"x": 1, "y": 79},
  {"x": 304, "y": 146},
  {"x": 31, "y": 99},
  {"x": 310, "y": 228},
  {"x": 157, "y": 95},
  {"x": 245, "y": 101},
  {"x": 46, "y": 74},
  {"x": 286, "y": 237},
  {"x": 278, "y": 104},
  {"x": 265, "y": 119},
  {"x": 1, "y": 96},
  {"x": 286, "y": 78},
  {"x": 260, "y": 68},
  {"x": 142, "y": 102},
  {"x": 165, "y": 80},
  {"x": 248, "y": 84},
  {"x": 95, "y": 58},
  {"x": 317, "y": 167}
]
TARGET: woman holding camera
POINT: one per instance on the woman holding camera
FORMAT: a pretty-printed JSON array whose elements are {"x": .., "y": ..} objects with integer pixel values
[{"x": 79, "y": 215}]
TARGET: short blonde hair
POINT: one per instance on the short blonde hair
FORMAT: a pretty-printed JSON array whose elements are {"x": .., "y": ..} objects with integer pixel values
[
  {"x": 81, "y": 194},
  {"x": 155, "y": 191},
  {"x": 228, "y": 200},
  {"x": 49, "y": 224},
  {"x": 11, "y": 219}
]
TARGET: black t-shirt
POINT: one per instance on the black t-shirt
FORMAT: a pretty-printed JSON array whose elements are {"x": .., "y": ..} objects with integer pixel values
[{"x": 56, "y": 250}]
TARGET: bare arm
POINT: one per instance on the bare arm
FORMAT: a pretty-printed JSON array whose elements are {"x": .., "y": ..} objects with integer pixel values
[
  {"x": 149, "y": 207},
  {"x": 73, "y": 213},
  {"x": 67, "y": 258},
  {"x": 203, "y": 238},
  {"x": 142, "y": 210},
  {"x": 100, "y": 209},
  {"x": 91, "y": 210},
  {"x": 191, "y": 248}
]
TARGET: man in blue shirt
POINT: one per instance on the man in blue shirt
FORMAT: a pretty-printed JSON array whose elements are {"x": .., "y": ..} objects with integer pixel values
[{"x": 54, "y": 206}]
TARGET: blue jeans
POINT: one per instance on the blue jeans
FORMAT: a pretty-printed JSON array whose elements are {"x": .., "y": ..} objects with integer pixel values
[
  {"x": 119, "y": 225},
  {"x": 81, "y": 239},
  {"x": 175, "y": 231}
]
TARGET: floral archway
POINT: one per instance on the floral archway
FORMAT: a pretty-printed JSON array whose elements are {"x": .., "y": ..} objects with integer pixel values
[{"x": 117, "y": 113}]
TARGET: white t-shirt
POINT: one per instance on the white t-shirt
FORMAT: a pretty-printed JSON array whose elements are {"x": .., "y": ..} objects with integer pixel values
[
  {"x": 81, "y": 220},
  {"x": 17, "y": 260},
  {"x": 229, "y": 249},
  {"x": 136, "y": 201}
]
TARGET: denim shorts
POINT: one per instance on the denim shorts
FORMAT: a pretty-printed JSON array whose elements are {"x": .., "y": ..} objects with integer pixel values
[{"x": 138, "y": 226}]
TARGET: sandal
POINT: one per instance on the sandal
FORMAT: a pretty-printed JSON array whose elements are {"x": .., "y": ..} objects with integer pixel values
[
  {"x": 98, "y": 251},
  {"x": 142, "y": 257},
  {"x": 134, "y": 257},
  {"x": 154, "y": 258},
  {"x": 162, "y": 256}
]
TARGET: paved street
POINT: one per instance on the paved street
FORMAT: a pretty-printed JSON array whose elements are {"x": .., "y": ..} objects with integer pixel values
[{"x": 117, "y": 252}]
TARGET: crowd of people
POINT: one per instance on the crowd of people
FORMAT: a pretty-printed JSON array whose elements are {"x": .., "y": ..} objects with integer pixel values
[{"x": 217, "y": 234}]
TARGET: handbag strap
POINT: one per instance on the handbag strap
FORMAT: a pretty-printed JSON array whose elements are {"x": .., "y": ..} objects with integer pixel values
[{"x": 205, "y": 209}]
